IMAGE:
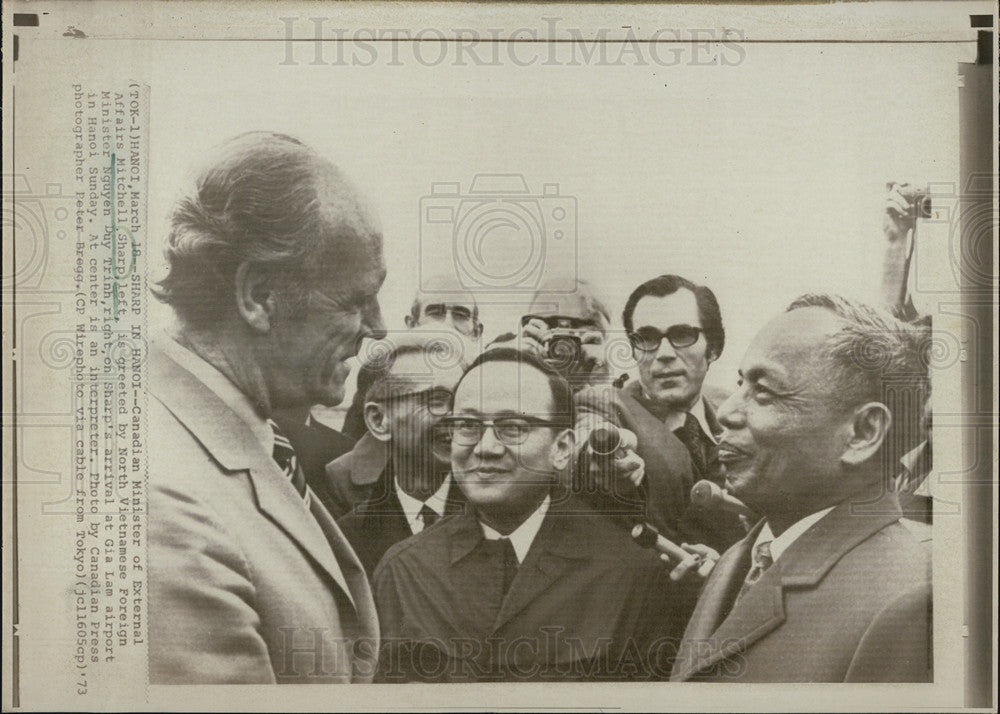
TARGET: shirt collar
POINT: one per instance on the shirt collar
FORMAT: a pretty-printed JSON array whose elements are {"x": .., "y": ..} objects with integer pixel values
[
  {"x": 412, "y": 506},
  {"x": 524, "y": 535},
  {"x": 698, "y": 411},
  {"x": 224, "y": 389},
  {"x": 780, "y": 543},
  {"x": 675, "y": 420}
]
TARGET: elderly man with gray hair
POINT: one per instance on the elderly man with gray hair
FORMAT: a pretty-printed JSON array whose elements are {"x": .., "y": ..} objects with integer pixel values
[
  {"x": 828, "y": 586},
  {"x": 274, "y": 267}
]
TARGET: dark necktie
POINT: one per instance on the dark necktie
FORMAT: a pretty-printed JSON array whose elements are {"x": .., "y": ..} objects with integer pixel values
[
  {"x": 691, "y": 436},
  {"x": 509, "y": 563},
  {"x": 284, "y": 455},
  {"x": 762, "y": 560},
  {"x": 428, "y": 516}
]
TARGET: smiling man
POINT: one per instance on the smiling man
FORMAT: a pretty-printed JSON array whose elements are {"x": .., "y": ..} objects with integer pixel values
[
  {"x": 403, "y": 462},
  {"x": 527, "y": 583},
  {"x": 829, "y": 586},
  {"x": 675, "y": 329},
  {"x": 274, "y": 266}
]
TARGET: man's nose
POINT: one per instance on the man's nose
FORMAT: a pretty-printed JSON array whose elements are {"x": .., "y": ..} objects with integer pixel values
[
  {"x": 666, "y": 350},
  {"x": 489, "y": 444},
  {"x": 372, "y": 324},
  {"x": 730, "y": 412}
]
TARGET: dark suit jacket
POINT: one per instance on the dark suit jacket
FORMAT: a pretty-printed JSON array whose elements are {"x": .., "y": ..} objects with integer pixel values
[
  {"x": 378, "y": 523},
  {"x": 586, "y": 603},
  {"x": 315, "y": 444},
  {"x": 354, "y": 477},
  {"x": 849, "y": 601},
  {"x": 669, "y": 471},
  {"x": 246, "y": 583}
]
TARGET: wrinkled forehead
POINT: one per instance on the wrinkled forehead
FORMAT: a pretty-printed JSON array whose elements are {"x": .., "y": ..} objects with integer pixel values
[
  {"x": 504, "y": 387},
  {"x": 794, "y": 343},
  {"x": 423, "y": 370},
  {"x": 448, "y": 300}
]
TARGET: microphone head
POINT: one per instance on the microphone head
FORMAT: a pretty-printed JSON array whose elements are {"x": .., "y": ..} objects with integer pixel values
[
  {"x": 604, "y": 440},
  {"x": 644, "y": 534},
  {"x": 705, "y": 494}
]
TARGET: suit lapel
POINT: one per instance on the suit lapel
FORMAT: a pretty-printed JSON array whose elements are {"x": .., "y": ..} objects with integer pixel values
[
  {"x": 232, "y": 444},
  {"x": 761, "y": 609}
]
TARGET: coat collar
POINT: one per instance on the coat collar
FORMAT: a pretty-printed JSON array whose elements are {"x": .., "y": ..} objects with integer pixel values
[
  {"x": 555, "y": 548},
  {"x": 369, "y": 459},
  {"x": 716, "y": 632},
  {"x": 231, "y": 442}
]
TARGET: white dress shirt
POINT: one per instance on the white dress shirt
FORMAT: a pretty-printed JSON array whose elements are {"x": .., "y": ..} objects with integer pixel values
[
  {"x": 412, "y": 506},
  {"x": 524, "y": 535},
  {"x": 698, "y": 411},
  {"x": 779, "y": 544}
]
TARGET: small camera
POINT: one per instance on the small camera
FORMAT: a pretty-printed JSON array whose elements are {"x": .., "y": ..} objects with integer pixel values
[
  {"x": 563, "y": 341},
  {"x": 922, "y": 204}
]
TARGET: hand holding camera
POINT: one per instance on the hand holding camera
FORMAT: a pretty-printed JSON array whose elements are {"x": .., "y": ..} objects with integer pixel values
[
  {"x": 904, "y": 204},
  {"x": 574, "y": 347}
]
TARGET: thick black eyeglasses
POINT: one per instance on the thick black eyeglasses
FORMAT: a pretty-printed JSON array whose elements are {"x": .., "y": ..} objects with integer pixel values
[
  {"x": 512, "y": 430},
  {"x": 648, "y": 338}
]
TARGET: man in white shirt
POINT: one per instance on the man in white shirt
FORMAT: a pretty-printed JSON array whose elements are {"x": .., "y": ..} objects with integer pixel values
[
  {"x": 829, "y": 586},
  {"x": 275, "y": 265},
  {"x": 402, "y": 464},
  {"x": 527, "y": 583}
]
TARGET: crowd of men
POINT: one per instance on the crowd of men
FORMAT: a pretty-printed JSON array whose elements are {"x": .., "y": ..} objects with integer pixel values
[{"x": 472, "y": 518}]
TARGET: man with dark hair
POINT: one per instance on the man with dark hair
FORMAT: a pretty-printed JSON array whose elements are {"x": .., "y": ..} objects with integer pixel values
[
  {"x": 829, "y": 586},
  {"x": 398, "y": 474},
  {"x": 675, "y": 330},
  {"x": 274, "y": 268},
  {"x": 527, "y": 583}
]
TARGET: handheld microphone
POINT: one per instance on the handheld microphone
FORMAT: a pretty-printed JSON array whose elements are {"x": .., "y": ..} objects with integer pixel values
[
  {"x": 709, "y": 495},
  {"x": 604, "y": 440},
  {"x": 648, "y": 537}
]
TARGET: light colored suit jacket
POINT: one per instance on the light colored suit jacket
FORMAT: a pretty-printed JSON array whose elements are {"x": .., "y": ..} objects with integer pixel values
[
  {"x": 849, "y": 601},
  {"x": 245, "y": 583}
]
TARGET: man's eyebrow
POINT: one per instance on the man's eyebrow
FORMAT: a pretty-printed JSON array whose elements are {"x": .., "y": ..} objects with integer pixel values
[{"x": 759, "y": 372}]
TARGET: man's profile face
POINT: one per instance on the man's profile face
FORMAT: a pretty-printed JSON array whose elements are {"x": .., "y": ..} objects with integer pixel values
[
  {"x": 784, "y": 430},
  {"x": 672, "y": 376},
  {"x": 308, "y": 348},
  {"x": 420, "y": 392},
  {"x": 461, "y": 315},
  {"x": 495, "y": 476}
]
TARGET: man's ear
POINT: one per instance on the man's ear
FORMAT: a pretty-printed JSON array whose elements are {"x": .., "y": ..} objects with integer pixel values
[
  {"x": 869, "y": 428},
  {"x": 410, "y": 321},
  {"x": 377, "y": 421},
  {"x": 563, "y": 449},
  {"x": 255, "y": 298},
  {"x": 477, "y": 331},
  {"x": 711, "y": 355}
]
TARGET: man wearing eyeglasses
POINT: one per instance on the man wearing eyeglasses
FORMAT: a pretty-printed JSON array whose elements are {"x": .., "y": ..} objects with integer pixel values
[
  {"x": 402, "y": 463},
  {"x": 676, "y": 333},
  {"x": 528, "y": 583}
]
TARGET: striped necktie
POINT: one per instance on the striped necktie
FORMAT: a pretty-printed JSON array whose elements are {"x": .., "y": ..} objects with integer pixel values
[
  {"x": 284, "y": 455},
  {"x": 762, "y": 560}
]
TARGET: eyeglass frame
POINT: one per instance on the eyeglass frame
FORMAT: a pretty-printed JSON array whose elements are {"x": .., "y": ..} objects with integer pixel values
[
  {"x": 393, "y": 397},
  {"x": 634, "y": 336},
  {"x": 448, "y": 422}
]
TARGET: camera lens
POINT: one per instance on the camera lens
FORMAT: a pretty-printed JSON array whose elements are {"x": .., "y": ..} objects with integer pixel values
[{"x": 563, "y": 352}]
